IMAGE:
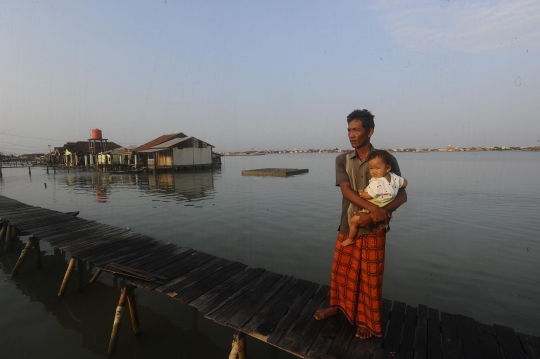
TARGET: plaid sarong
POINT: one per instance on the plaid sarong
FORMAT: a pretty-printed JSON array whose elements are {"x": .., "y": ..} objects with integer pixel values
[{"x": 357, "y": 279}]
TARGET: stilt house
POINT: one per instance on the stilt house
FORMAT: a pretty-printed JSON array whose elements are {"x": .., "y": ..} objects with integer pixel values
[{"x": 176, "y": 150}]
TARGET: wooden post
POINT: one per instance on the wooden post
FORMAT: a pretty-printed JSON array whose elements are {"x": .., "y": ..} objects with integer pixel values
[
  {"x": 66, "y": 277},
  {"x": 80, "y": 272},
  {"x": 117, "y": 320},
  {"x": 96, "y": 276},
  {"x": 37, "y": 251},
  {"x": 3, "y": 231},
  {"x": 133, "y": 311},
  {"x": 7, "y": 244},
  {"x": 238, "y": 346},
  {"x": 13, "y": 234},
  {"x": 21, "y": 258},
  {"x": 47, "y": 169},
  {"x": 29, "y": 171}
]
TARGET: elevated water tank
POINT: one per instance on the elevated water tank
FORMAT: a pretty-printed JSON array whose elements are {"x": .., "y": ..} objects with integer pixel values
[{"x": 96, "y": 134}]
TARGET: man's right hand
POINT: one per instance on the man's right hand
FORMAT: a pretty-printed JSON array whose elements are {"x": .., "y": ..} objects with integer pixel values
[{"x": 380, "y": 215}]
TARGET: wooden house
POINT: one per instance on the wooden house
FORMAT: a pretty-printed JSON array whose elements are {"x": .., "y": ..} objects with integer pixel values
[{"x": 176, "y": 150}]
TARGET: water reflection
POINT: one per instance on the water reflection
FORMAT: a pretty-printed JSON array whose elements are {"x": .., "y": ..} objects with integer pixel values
[{"x": 177, "y": 186}]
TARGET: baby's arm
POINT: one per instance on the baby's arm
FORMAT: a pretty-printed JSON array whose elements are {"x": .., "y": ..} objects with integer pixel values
[{"x": 364, "y": 195}]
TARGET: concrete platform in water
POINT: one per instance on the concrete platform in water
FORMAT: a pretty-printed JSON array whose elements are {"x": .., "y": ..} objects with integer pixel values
[{"x": 274, "y": 172}]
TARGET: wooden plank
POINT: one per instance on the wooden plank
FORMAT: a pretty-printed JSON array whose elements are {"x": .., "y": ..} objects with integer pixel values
[
  {"x": 247, "y": 303},
  {"x": 108, "y": 249},
  {"x": 257, "y": 304},
  {"x": 528, "y": 344},
  {"x": 82, "y": 229},
  {"x": 163, "y": 250},
  {"x": 536, "y": 341},
  {"x": 468, "y": 337},
  {"x": 509, "y": 342},
  {"x": 217, "y": 295},
  {"x": 179, "y": 256},
  {"x": 450, "y": 343},
  {"x": 90, "y": 243},
  {"x": 328, "y": 333},
  {"x": 343, "y": 340},
  {"x": 133, "y": 247},
  {"x": 263, "y": 322},
  {"x": 302, "y": 304},
  {"x": 306, "y": 328},
  {"x": 154, "y": 248},
  {"x": 406, "y": 349},
  {"x": 299, "y": 322},
  {"x": 434, "y": 350},
  {"x": 189, "y": 294},
  {"x": 488, "y": 341},
  {"x": 188, "y": 266},
  {"x": 395, "y": 327},
  {"x": 420, "y": 343},
  {"x": 205, "y": 269},
  {"x": 228, "y": 297}
]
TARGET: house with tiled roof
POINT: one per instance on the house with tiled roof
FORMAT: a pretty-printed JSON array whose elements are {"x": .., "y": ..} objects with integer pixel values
[{"x": 175, "y": 150}]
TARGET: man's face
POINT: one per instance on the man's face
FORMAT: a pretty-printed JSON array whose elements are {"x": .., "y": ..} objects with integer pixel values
[{"x": 358, "y": 136}]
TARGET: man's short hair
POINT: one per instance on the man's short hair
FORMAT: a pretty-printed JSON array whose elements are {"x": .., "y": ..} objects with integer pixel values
[
  {"x": 382, "y": 154},
  {"x": 363, "y": 115}
]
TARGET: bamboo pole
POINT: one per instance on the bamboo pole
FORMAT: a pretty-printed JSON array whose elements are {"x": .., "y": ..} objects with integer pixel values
[
  {"x": 117, "y": 320},
  {"x": 80, "y": 272},
  {"x": 37, "y": 251},
  {"x": 96, "y": 276},
  {"x": 66, "y": 277},
  {"x": 24, "y": 252},
  {"x": 7, "y": 244},
  {"x": 238, "y": 350},
  {"x": 133, "y": 311}
]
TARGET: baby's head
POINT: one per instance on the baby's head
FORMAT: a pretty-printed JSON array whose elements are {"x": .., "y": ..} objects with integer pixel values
[{"x": 379, "y": 163}]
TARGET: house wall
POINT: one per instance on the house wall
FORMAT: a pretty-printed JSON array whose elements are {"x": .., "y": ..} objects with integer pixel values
[
  {"x": 164, "y": 158},
  {"x": 192, "y": 156}
]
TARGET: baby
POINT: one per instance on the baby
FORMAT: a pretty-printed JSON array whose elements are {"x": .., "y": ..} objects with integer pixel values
[{"x": 382, "y": 189}]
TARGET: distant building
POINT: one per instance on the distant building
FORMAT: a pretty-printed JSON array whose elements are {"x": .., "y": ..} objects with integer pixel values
[{"x": 176, "y": 150}]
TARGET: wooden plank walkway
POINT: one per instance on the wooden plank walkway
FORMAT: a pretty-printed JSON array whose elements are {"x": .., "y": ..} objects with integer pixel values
[{"x": 274, "y": 308}]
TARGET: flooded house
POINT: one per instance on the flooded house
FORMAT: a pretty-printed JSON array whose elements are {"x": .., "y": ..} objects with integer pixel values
[{"x": 176, "y": 151}]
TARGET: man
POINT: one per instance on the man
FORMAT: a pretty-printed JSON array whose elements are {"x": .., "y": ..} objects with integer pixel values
[{"x": 357, "y": 270}]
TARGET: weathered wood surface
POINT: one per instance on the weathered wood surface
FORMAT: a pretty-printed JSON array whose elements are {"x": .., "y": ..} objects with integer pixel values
[
  {"x": 275, "y": 172},
  {"x": 272, "y": 307}
]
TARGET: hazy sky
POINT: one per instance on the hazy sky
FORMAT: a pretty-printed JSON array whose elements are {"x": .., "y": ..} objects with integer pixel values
[{"x": 275, "y": 74}]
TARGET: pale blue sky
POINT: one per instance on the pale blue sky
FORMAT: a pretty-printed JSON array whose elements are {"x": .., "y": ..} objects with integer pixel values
[{"x": 270, "y": 74}]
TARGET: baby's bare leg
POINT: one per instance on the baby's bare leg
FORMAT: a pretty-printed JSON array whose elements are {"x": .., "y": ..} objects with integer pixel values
[{"x": 353, "y": 231}]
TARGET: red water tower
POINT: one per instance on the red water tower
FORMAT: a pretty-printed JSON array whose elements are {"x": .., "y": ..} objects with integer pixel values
[{"x": 96, "y": 134}]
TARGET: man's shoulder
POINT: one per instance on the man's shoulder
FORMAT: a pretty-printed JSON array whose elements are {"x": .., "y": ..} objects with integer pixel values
[{"x": 342, "y": 157}]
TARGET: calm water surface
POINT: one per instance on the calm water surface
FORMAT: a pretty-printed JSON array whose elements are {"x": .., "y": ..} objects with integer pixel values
[{"x": 466, "y": 243}]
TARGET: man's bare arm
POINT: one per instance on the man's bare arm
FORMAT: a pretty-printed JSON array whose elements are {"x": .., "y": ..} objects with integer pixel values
[
  {"x": 376, "y": 214},
  {"x": 400, "y": 199}
]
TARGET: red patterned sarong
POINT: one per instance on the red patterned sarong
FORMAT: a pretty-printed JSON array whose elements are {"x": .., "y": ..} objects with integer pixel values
[{"x": 357, "y": 279}]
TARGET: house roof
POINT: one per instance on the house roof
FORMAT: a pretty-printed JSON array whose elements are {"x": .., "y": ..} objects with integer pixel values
[
  {"x": 159, "y": 140},
  {"x": 176, "y": 141}
]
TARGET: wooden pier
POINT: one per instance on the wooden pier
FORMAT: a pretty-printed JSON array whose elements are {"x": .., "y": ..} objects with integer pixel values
[{"x": 271, "y": 307}]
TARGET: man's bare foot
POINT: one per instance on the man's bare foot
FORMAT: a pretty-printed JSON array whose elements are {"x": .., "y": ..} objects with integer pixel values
[
  {"x": 325, "y": 313},
  {"x": 363, "y": 333},
  {"x": 347, "y": 242}
]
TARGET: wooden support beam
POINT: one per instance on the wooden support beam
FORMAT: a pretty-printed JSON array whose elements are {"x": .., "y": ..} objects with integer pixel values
[
  {"x": 238, "y": 350},
  {"x": 7, "y": 244},
  {"x": 24, "y": 252},
  {"x": 3, "y": 231},
  {"x": 37, "y": 251},
  {"x": 117, "y": 320},
  {"x": 133, "y": 311},
  {"x": 66, "y": 277},
  {"x": 96, "y": 276},
  {"x": 80, "y": 273}
]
